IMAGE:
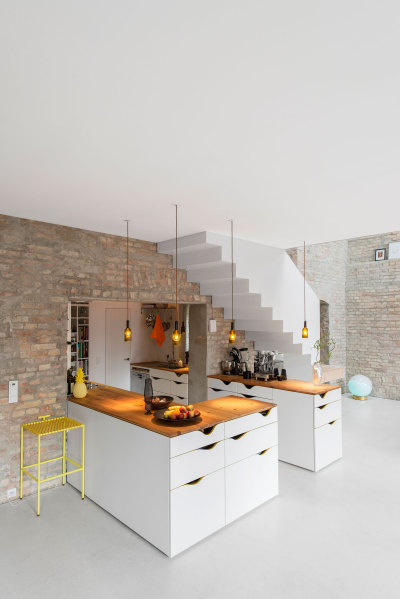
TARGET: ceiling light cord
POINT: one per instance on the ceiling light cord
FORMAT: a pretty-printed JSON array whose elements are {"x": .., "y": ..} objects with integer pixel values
[{"x": 127, "y": 269}]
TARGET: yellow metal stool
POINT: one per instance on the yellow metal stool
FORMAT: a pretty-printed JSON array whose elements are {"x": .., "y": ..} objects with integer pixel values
[{"x": 48, "y": 427}]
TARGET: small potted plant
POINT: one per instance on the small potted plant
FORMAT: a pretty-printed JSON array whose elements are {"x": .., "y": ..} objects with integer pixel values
[{"x": 324, "y": 346}]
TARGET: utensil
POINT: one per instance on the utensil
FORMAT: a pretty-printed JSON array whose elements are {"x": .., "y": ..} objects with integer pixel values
[{"x": 160, "y": 416}]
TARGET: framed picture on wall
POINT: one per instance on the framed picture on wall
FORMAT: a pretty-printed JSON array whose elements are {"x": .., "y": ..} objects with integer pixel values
[{"x": 380, "y": 254}]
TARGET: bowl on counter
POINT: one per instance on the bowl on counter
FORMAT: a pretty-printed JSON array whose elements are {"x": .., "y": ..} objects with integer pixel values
[
  {"x": 160, "y": 402},
  {"x": 227, "y": 366}
]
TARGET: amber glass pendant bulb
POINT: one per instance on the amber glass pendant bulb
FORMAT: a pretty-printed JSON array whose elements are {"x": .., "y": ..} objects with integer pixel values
[
  {"x": 304, "y": 332},
  {"x": 127, "y": 332},
  {"x": 232, "y": 334},
  {"x": 176, "y": 336}
]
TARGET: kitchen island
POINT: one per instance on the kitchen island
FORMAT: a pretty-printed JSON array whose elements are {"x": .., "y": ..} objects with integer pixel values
[
  {"x": 176, "y": 484},
  {"x": 310, "y": 416}
]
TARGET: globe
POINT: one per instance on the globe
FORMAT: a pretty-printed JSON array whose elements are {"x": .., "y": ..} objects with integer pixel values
[{"x": 360, "y": 386}]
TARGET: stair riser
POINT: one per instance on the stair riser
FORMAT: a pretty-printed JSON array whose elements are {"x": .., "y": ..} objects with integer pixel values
[
  {"x": 262, "y": 326},
  {"x": 248, "y": 301},
  {"x": 224, "y": 287},
  {"x": 203, "y": 258},
  {"x": 215, "y": 273}
]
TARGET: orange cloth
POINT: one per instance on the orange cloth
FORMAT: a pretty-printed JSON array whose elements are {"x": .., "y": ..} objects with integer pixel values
[{"x": 158, "y": 332}]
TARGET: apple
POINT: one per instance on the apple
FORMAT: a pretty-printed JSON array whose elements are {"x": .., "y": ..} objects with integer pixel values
[
  {"x": 182, "y": 409},
  {"x": 191, "y": 414},
  {"x": 190, "y": 407},
  {"x": 196, "y": 412},
  {"x": 181, "y": 416},
  {"x": 173, "y": 416}
]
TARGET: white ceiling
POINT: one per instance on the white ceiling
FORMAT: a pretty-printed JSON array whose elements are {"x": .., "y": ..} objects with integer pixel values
[{"x": 283, "y": 115}]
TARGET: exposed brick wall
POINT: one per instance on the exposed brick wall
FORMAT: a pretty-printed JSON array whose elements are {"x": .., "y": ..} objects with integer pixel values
[
  {"x": 326, "y": 273},
  {"x": 43, "y": 266},
  {"x": 373, "y": 315}
]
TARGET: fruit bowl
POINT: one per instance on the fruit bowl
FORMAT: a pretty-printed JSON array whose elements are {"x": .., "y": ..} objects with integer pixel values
[
  {"x": 161, "y": 402},
  {"x": 160, "y": 415}
]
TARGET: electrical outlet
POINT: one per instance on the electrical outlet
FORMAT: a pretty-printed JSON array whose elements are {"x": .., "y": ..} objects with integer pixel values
[
  {"x": 11, "y": 493},
  {"x": 12, "y": 391},
  {"x": 212, "y": 326}
]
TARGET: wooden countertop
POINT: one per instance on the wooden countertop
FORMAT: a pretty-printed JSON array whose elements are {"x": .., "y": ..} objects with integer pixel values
[
  {"x": 183, "y": 370},
  {"x": 289, "y": 385},
  {"x": 129, "y": 406}
]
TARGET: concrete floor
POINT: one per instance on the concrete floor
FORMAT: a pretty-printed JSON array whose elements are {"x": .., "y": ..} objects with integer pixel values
[{"x": 330, "y": 535}]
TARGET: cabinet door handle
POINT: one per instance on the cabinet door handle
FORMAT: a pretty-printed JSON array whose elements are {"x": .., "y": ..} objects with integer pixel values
[
  {"x": 208, "y": 447},
  {"x": 264, "y": 451},
  {"x": 195, "y": 481},
  {"x": 209, "y": 430},
  {"x": 322, "y": 407},
  {"x": 236, "y": 437},
  {"x": 266, "y": 412}
]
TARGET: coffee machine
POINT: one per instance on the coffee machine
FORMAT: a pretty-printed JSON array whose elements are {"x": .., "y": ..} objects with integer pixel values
[{"x": 269, "y": 365}]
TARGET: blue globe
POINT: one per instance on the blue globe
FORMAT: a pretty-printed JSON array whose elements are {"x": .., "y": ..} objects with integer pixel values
[{"x": 360, "y": 385}]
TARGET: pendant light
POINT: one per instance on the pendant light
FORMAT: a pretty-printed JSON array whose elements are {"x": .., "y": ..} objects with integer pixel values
[
  {"x": 232, "y": 332},
  {"x": 304, "y": 332},
  {"x": 176, "y": 336},
  {"x": 127, "y": 332}
]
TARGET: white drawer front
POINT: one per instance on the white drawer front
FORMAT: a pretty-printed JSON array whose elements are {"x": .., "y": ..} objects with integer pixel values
[
  {"x": 190, "y": 441},
  {"x": 194, "y": 464},
  {"x": 327, "y": 413},
  {"x": 161, "y": 386},
  {"x": 180, "y": 389},
  {"x": 197, "y": 510},
  {"x": 327, "y": 444},
  {"x": 251, "y": 482},
  {"x": 217, "y": 393},
  {"x": 179, "y": 400},
  {"x": 247, "y": 423},
  {"x": 173, "y": 376},
  {"x": 218, "y": 384},
  {"x": 247, "y": 444},
  {"x": 254, "y": 391},
  {"x": 334, "y": 395}
]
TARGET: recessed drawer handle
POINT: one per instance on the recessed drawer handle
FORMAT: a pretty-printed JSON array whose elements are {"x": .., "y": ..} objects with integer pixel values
[
  {"x": 266, "y": 412},
  {"x": 322, "y": 407},
  {"x": 211, "y": 446},
  {"x": 236, "y": 437},
  {"x": 156, "y": 378},
  {"x": 177, "y": 382},
  {"x": 264, "y": 451},
  {"x": 196, "y": 481},
  {"x": 213, "y": 389},
  {"x": 249, "y": 386},
  {"x": 209, "y": 430},
  {"x": 323, "y": 394},
  {"x": 333, "y": 422},
  {"x": 248, "y": 396},
  {"x": 226, "y": 382}
]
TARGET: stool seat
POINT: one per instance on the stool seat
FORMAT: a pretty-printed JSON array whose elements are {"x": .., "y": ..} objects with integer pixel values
[{"x": 48, "y": 426}]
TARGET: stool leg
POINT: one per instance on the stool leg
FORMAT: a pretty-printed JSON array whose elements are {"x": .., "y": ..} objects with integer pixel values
[
  {"x": 21, "y": 472},
  {"x": 38, "y": 477},
  {"x": 83, "y": 462},
  {"x": 63, "y": 460}
]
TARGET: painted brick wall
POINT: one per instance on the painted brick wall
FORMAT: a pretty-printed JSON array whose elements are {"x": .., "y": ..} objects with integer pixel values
[
  {"x": 42, "y": 267},
  {"x": 326, "y": 273},
  {"x": 373, "y": 315}
]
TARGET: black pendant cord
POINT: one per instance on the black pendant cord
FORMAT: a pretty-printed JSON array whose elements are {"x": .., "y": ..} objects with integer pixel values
[
  {"x": 232, "y": 266},
  {"x": 127, "y": 269},
  {"x": 176, "y": 260},
  {"x": 304, "y": 277}
]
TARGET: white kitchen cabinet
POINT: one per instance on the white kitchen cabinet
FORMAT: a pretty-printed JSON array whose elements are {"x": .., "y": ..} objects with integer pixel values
[
  {"x": 251, "y": 482},
  {"x": 310, "y": 428},
  {"x": 197, "y": 510},
  {"x": 176, "y": 491},
  {"x": 166, "y": 382},
  {"x": 214, "y": 393}
]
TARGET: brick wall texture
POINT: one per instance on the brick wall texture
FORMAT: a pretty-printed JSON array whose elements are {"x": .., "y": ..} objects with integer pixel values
[
  {"x": 42, "y": 267},
  {"x": 364, "y": 306}
]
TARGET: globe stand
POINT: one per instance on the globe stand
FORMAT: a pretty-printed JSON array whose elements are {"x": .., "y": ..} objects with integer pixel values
[{"x": 360, "y": 398}]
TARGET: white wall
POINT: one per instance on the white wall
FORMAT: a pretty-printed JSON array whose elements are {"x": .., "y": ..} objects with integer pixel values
[{"x": 142, "y": 347}]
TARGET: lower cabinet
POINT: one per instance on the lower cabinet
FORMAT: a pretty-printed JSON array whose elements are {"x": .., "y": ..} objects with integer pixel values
[
  {"x": 328, "y": 444},
  {"x": 197, "y": 510},
  {"x": 251, "y": 482}
]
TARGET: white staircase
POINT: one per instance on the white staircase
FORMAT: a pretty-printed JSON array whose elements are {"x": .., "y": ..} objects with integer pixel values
[{"x": 268, "y": 293}]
